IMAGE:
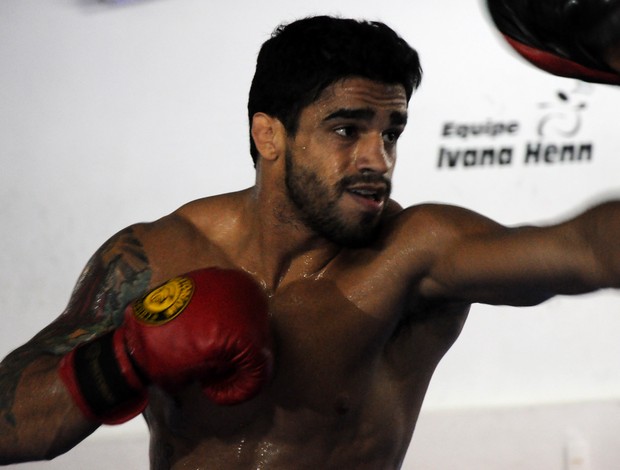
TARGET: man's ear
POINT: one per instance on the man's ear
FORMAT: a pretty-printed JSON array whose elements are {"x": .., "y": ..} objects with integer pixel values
[{"x": 269, "y": 135}]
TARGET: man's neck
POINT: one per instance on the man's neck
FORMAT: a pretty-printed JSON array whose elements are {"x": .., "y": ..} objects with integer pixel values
[{"x": 276, "y": 245}]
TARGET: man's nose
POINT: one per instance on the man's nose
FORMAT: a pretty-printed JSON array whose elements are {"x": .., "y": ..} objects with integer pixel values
[{"x": 371, "y": 155}]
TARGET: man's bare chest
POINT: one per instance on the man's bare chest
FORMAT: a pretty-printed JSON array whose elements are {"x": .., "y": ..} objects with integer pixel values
[{"x": 324, "y": 339}]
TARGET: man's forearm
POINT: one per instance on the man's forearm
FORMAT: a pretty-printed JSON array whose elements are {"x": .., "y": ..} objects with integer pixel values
[
  {"x": 600, "y": 228},
  {"x": 38, "y": 419}
]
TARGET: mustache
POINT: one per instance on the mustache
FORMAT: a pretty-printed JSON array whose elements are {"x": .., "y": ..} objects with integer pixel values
[{"x": 366, "y": 178}]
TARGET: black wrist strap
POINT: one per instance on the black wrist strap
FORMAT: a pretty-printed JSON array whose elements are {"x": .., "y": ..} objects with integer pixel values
[{"x": 99, "y": 376}]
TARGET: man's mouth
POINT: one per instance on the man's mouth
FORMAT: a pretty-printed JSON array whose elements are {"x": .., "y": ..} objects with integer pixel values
[
  {"x": 370, "y": 191},
  {"x": 375, "y": 194},
  {"x": 370, "y": 197}
]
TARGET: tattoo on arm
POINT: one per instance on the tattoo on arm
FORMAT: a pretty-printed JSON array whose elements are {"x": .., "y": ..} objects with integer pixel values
[{"x": 118, "y": 273}]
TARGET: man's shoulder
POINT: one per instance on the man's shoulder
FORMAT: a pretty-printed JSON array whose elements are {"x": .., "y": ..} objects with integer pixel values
[
  {"x": 201, "y": 214},
  {"x": 192, "y": 236},
  {"x": 430, "y": 227},
  {"x": 196, "y": 221},
  {"x": 429, "y": 215},
  {"x": 408, "y": 235},
  {"x": 210, "y": 207}
]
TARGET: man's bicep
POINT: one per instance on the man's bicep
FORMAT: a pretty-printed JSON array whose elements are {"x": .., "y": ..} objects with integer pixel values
[
  {"x": 118, "y": 273},
  {"x": 513, "y": 266}
]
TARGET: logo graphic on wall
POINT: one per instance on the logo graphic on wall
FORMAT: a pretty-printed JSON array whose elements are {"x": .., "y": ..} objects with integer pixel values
[
  {"x": 562, "y": 118},
  {"x": 554, "y": 137}
]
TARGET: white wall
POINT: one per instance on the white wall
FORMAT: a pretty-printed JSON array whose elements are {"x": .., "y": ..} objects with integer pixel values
[{"x": 111, "y": 115}]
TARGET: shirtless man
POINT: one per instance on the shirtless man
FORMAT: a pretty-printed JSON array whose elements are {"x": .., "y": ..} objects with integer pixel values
[{"x": 364, "y": 297}]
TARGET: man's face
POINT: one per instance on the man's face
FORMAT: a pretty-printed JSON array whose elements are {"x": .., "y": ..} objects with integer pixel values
[{"x": 339, "y": 164}]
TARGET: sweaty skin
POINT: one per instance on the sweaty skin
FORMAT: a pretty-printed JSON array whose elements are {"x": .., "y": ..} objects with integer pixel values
[
  {"x": 355, "y": 346},
  {"x": 356, "y": 349},
  {"x": 365, "y": 298}
]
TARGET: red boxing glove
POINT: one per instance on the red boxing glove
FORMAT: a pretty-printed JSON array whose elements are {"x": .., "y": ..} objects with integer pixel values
[{"x": 210, "y": 325}]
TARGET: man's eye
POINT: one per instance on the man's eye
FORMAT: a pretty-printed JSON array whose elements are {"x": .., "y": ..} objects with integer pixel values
[
  {"x": 391, "y": 137},
  {"x": 345, "y": 131}
]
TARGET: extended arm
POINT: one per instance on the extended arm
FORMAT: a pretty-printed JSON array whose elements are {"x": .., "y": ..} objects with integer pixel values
[
  {"x": 480, "y": 261},
  {"x": 38, "y": 418}
]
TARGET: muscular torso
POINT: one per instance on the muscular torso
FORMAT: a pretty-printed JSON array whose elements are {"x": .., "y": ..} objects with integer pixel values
[{"x": 355, "y": 351}]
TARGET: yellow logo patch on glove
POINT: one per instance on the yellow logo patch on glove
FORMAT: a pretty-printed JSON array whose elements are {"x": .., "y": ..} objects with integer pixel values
[{"x": 165, "y": 302}]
